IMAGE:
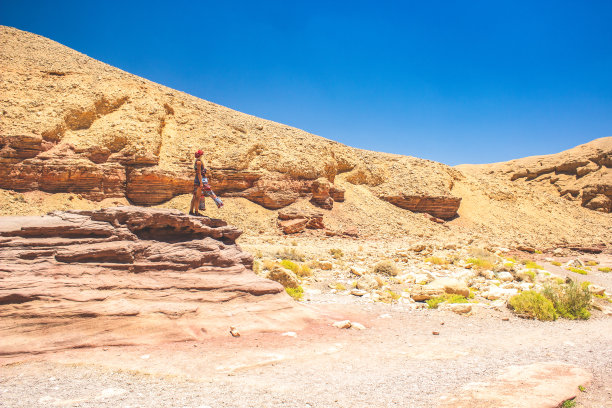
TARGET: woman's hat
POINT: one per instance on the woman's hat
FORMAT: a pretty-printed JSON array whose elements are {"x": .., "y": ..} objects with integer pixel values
[{"x": 199, "y": 153}]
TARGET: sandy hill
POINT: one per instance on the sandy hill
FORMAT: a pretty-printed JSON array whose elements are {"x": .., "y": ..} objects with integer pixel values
[{"x": 76, "y": 133}]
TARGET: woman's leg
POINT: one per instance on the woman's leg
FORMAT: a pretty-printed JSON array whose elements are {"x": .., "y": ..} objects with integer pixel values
[{"x": 195, "y": 200}]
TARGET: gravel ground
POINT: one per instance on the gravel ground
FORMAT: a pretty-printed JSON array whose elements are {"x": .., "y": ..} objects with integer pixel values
[{"x": 396, "y": 362}]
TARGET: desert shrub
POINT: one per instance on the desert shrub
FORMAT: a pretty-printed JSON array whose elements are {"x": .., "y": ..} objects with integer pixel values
[
  {"x": 434, "y": 302},
  {"x": 336, "y": 253},
  {"x": 472, "y": 293},
  {"x": 592, "y": 263},
  {"x": 556, "y": 263},
  {"x": 577, "y": 270},
  {"x": 537, "y": 251},
  {"x": 604, "y": 269},
  {"x": 304, "y": 271},
  {"x": 394, "y": 296},
  {"x": 268, "y": 264},
  {"x": 291, "y": 254},
  {"x": 510, "y": 259},
  {"x": 534, "y": 305},
  {"x": 571, "y": 300},
  {"x": 436, "y": 260},
  {"x": 339, "y": 286},
  {"x": 480, "y": 263},
  {"x": 288, "y": 264},
  {"x": 559, "y": 281},
  {"x": 386, "y": 267},
  {"x": 532, "y": 265},
  {"x": 570, "y": 403},
  {"x": 530, "y": 275},
  {"x": 296, "y": 293}
]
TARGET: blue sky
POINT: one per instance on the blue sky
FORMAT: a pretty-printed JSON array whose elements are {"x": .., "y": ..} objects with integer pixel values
[{"x": 450, "y": 81}]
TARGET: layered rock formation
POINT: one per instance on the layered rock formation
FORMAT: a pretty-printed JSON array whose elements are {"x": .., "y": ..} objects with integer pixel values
[
  {"x": 582, "y": 174},
  {"x": 73, "y": 124},
  {"x": 128, "y": 275}
]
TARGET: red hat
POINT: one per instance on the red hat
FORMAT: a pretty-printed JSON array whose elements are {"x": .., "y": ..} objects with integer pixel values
[{"x": 199, "y": 153}]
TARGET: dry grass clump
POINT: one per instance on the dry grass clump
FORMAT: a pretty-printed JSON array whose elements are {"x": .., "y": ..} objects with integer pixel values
[
  {"x": 301, "y": 270},
  {"x": 577, "y": 270},
  {"x": 532, "y": 265},
  {"x": 291, "y": 254},
  {"x": 592, "y": 263},
  {"x": 386, "y": 267},
  {"x": 336, "y": 253},
  {"x": 604, "y": 269},
  {"x": 556, "y": 263},
  {"x": 480, "y": 263},
  {"x": 436, "y": 260}
]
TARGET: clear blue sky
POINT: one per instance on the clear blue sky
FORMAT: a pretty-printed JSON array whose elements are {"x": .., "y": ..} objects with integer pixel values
[{"x": 451, "y": 81}]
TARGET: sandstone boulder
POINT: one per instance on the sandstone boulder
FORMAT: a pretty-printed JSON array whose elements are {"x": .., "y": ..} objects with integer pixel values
[
  {"x": 129, "y": 275},
  {"x": 284, "y": 276},
  {"x": 449, "y": 285}
]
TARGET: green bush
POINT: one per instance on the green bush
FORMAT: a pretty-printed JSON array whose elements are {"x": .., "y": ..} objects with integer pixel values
[
  {"x": 296, "y": 293},
  {"x": 436, "y": 260},
  {"x": 604, "y": 269},
  {"x": 532, "y": 265},
  {"x": 534, "y": 305},
  {"x": 288, "y": 264},
  {"x": 571, "y": 300},
  {"x": 434, "y": 302},
  {"x": 577, "y": 270},
  {"x": 556, "y": 263}
]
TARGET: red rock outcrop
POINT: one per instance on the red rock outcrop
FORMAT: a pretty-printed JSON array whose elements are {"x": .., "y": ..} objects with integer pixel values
[
  {"x": 439, "y": 207},
  {"x": 292, "y": 221},
  {"x": 129, "y": 275}
]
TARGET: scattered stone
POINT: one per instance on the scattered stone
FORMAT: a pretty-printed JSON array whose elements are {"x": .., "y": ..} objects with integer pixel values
[
  {"x": 359, "y": 271},
  {"x": 289, "y": 334},
  {"x": 461, "y": 308},
  {"x": 505, "y": 319},
  {"x": 526, "y": 248},
  {"x": 358, "y": 292},
  {"x": 435, "y": 333},
  {"x": 325, "y": 265},
  {"x": 343, "y": 324},
  {"x": 495, "y": 293},
  {"x": 234, "y": 332},
  {"x": 449, "y": 285},
  {"x": 367, "y": 283},
  {"x": 505, "y": 276},
  {"x": 422, "y": 293},
  {"x": 596, "y": 290},
  {"x": 357, "y": 326}
]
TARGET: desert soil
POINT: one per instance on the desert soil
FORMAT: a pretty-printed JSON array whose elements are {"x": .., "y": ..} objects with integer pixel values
[{"x": 396, "y": 361}]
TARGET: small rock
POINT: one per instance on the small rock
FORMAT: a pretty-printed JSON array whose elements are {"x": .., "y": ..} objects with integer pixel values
[
  {"x": 343, "y": 324},
  {"x": 449, "y": 285},
  {"x": 435, "y": 333},
  {"x": 596, "y": 290},
  {"x": 359, "y": 271},
  {"x": 461, "y": 308},
  {"x": 289, "y": 334},
  {"x": 357, "y": 326},
  {"x": 358, "y": 292},
  {"x": 284, "y": 276},
  {"x": 234, "y": 332},
  {"x": 505, "y": 276},
  {"x": 325, "y": 265}
]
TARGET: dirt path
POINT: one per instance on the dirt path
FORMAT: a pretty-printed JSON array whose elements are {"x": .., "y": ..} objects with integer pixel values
[{"x": 396, "y": 361}]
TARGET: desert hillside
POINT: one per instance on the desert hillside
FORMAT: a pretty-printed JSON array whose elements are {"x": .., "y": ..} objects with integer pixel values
[{"x": 78, "y": 133}]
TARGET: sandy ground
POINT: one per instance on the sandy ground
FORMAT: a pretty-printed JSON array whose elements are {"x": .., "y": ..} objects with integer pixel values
[{"x": 396, "y": 361}]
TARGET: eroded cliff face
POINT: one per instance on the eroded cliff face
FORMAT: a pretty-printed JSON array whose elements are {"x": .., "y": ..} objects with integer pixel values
[
  {"x": 73, "y": 124},
  {"x": 129, "y": 275},
  {"x": 582, "y": 174}
]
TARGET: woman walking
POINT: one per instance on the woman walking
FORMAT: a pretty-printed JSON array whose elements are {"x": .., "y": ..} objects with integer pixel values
[{"x": 200, "y": 185}]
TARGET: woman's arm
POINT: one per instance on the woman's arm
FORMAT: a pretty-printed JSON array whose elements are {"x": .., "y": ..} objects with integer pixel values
[{"x": 199, "y": 166}]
